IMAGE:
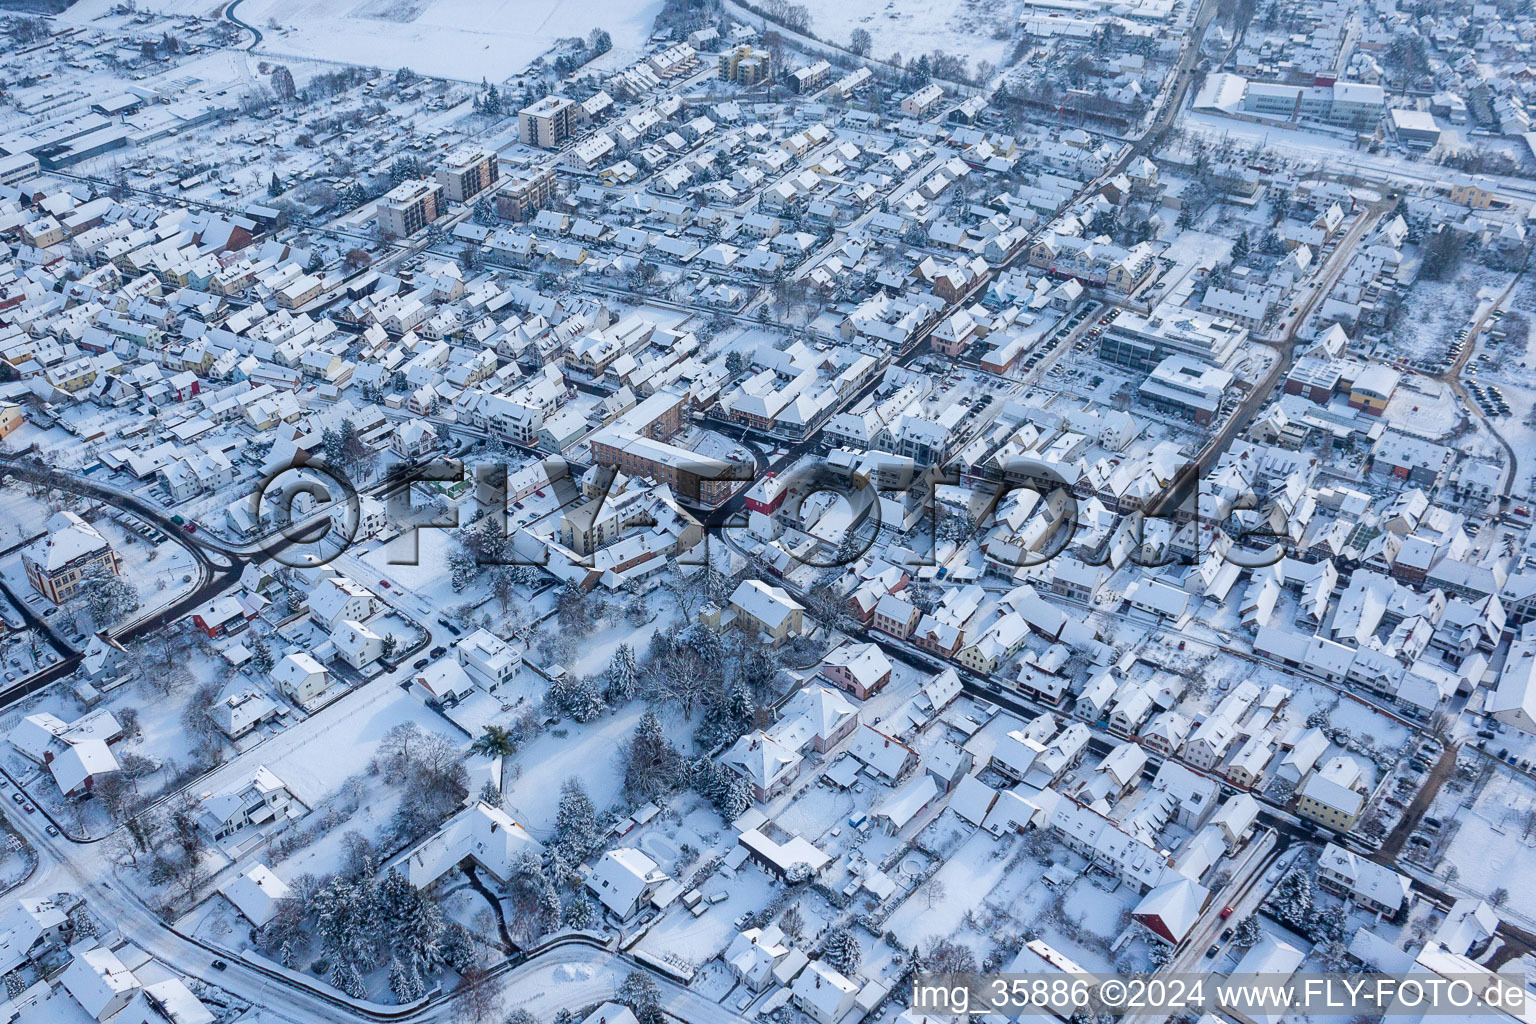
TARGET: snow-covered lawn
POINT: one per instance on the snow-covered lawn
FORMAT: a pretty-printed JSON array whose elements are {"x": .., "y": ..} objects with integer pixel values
[
  {"x": 589, "y": 753},
  {"x": 1491, "y": 848},
  {"x": 966, "y": 879}
]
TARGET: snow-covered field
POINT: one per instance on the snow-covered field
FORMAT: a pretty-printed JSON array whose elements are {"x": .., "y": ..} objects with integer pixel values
[
  {"x": 462, "y": 39},
  {"x": 975, "y": 29}
]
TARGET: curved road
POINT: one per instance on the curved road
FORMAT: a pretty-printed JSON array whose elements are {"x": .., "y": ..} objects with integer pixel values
[{"x": 229, "y": 14}]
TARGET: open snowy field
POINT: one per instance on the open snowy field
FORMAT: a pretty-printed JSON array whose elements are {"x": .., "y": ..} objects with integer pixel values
[
  {"x": 975, "y": 29},
  {"x": 462, "y": 39}
]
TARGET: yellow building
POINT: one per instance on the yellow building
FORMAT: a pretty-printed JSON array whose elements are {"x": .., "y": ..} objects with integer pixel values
[{"x": 1334, "y": 795}]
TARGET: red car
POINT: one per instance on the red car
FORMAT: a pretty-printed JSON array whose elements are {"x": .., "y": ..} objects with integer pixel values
[
  {"x": 189, "y": 527},
  {"x": 384, "y": 584},
  {"x": 1226, "y": 912}
]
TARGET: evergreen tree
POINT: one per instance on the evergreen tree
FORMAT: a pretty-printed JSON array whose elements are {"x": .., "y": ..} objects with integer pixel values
[
  {"x": 549, "y": 907},
  {"x": 652, "y": 765},
  {"x": 1248, "y": 933},
  {"x": 842, "y": 952},
  {"x": 580, "y": 913},
  {"x": 108, "y": 596},
  {"x": 575, "y": 823},
  {"x": 643, "y": 998},
  {"x": 261, "y": 656},
  {"x": 586, "y": 701},
  {"x": 463, "y": 570},
  {"x": 1291, "y": 901},
  {"x": 623, "y": 675},
  {"x": 404, "y": 981},
  {"x": 274, "y": 187}
]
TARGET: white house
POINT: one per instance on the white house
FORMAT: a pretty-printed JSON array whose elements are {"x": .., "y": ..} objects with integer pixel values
[
  {"x": 99, "y": 982},
  {"x": 336, "y": 599},
  {"x": 300, "y": 677},
  {"x": 484, "y": 834},
  {"x": 624, "y": 879},
  {"x": 260, "y": 800},
  {"x": 414, "y": 439},
  {"x": 824, "y": 994},
  {"x": 357, "y": 645},
  {"x": 487, "y": 657},
  {"x": 240, "y": 713},
  {"x": 754, "y": 953}
]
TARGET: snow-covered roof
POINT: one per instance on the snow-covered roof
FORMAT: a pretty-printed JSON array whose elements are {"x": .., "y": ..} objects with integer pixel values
[
  {"x": 482, "y": 832},
  {"x": 255, "y": 892}
]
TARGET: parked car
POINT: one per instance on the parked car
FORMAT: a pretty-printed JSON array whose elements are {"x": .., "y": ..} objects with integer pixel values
[
  {"x": 438, "y": 651},
  {"x": 1210, "y": 954},
  {"x": 420, "y": 664}
]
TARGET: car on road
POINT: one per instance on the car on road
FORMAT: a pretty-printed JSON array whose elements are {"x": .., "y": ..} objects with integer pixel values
[
  {"x": 190, "y": 527},
  {"x": 52, "y": 830},
  {"x": 1226, "y": 933},
  {"x": 220, "y": 965},
  {"x": 28, "y": 808},
  {"x": 438, "y": 651},
  {"x": 17, "y": 798},
  {"x": 1210, "y": 954},
  {"x": 384, "y": 584},
  {"x": 1226, "y": 912}
]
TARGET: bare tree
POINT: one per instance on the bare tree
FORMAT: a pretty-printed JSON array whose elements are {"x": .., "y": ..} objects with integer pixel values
[{"x": 478, "y": 999}]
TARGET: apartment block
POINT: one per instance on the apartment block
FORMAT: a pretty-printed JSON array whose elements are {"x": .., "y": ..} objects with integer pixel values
[
  {"x": 466, "y": 172},
  {"x": 408, "y": 207},
  {"x": 548, "y": 123},
  {"x": 525, "y": 193},
  {"x": 746, "y": 65}
]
